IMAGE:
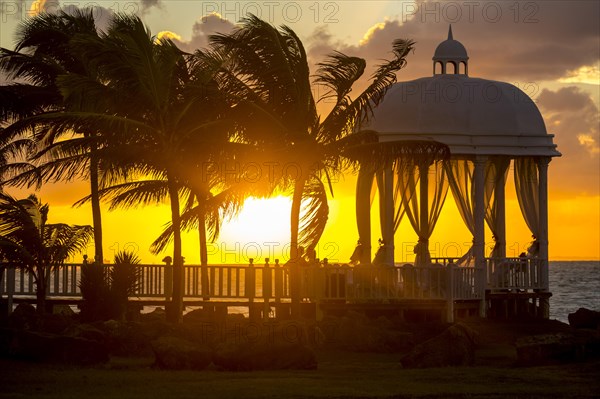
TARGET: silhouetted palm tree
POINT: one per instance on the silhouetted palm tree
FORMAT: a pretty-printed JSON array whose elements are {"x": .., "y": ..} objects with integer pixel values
[
  {"x": 267, "y": 70},
  {"x": 42, "y": 54},
  {"x": 162, "y": 114},
  {"x": 27, "y": 241}
]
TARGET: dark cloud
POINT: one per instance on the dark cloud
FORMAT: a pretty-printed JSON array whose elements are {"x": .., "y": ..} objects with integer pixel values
[
  {"x": 534, "y": 41},
  {"x": 202, "y": 29},
  {"x": 573, "y": 117}
]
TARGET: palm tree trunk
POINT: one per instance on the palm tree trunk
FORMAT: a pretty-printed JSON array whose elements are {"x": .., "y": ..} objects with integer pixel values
[
  {"x": 96, "y": 213},
  {"x": 203, "y": 249},
  {"x": 40, "y": 290},
  {"x": 294, "y": 261},
  {"x": 175, "y": 311}
]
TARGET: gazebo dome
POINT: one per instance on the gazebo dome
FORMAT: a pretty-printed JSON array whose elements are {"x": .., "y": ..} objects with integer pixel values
[{"x": 471, "y": 115}]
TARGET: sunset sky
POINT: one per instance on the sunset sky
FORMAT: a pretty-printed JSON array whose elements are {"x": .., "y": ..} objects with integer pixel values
[{"x": 549, "y": 49}]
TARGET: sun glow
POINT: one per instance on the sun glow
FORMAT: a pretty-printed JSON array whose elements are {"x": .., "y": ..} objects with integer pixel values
[{"x": 261, "y": 230}]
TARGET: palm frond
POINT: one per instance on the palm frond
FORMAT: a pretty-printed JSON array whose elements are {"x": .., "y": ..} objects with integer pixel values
[{"x": 315, "y": 213}]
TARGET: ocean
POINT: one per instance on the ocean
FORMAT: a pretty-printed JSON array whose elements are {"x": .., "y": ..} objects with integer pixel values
[{"x": 574, "y": 285}]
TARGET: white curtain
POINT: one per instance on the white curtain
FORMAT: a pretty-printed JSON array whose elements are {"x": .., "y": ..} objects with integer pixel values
[
  {"x": 496, "y": 173},
  {"x": 460, "y": 178},
  {"x": 437, "y": 188},
  {"x": 527, "y": 187},
  {"x": 364, "y": 185}
]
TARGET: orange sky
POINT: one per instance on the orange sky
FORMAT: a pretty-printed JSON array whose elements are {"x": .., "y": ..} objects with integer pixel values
[{"x": 549, "y": 49}]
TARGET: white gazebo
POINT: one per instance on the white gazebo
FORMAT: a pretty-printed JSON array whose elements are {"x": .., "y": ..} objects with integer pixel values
[{"x": 486, "y": 125}]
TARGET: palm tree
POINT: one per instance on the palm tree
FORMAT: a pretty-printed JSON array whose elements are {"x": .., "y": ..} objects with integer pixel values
[
  {"x": 268, "y": 72},
  {"x": 163, "y": 113},
  {"x": 27, "y": 241},
  {"x": 41, "y": 55}
]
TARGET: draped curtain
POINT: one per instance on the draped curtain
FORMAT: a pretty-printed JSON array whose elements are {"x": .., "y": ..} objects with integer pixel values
[
  {"x": 460, "y": 179},
  {"x": 527, "y": 187},
  {"x": 437, "y": 188},
  {"x": 364, "y": 185},
  {"x": 496, "y": 173}
]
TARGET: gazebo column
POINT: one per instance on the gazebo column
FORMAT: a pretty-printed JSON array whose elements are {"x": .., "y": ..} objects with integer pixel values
[
  {"x": 388, "y": 229},
  {"x": 363, "y": 214},
  {"x": 499, "y": 193},
  {"x": 423, "y": 248},
  {"x": 479, "y": 238},
  {"x": 542, "y": 164}
]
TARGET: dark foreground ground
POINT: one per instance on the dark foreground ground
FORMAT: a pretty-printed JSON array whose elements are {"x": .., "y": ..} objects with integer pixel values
[{"x": 340, "y": 374}]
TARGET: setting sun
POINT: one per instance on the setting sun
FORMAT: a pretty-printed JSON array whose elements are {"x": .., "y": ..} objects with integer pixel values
[{"x": 261, "y": 230}]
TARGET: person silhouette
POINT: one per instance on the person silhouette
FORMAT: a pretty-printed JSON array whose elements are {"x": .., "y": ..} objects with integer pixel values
[
  {"x": 357, "y": 254},
  {"x": 380, "y": 254}
]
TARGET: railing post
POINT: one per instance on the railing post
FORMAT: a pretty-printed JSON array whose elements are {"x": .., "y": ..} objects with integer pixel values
[
  {"x": 10, "y": 287},
  {"x": 450, "y": 269},
  {"x": 250, "y": 281},
  {"x": 250, "y": 291},
  {"x": 168, "y": 278},
  {"x": 267, "y": 288},
  {"x": 278, "y": 281}
]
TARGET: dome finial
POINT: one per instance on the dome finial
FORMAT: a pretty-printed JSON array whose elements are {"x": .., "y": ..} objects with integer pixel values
[{"x": 451, "y": 53}]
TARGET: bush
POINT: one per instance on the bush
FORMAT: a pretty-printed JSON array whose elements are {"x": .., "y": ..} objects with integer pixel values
[{"x": 106, "y": 291}]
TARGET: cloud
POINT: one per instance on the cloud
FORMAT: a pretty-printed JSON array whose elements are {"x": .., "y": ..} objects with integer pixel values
[
  {"x": 585, "y": 74},
  {"x": 573, "y": 117},
  {"x": 148, "y": 4},
  {"x": 202, "y": 29},
  {"x": 532, "y": 41},
  {"x": 167, "y": 34}
]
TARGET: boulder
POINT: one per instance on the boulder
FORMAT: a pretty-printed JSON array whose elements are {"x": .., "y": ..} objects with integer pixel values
[
  {"x": 23, "y": 317},
  {"x": 157, "y": 315},
  {"x": 585, "y": 318},
  {"x": 551, "y": 349},
  {"x": 356, "y": 332},
  {"x": 453, "y": 347},
  {"x": 54, "y": 348},
  {"x": 86, "y": 331},
  {"x": 177, "y": 354},
  {"x": 126, "y": 338},
  {"x": 262, "y": 356},
  {"x": 53, "y": 323}
]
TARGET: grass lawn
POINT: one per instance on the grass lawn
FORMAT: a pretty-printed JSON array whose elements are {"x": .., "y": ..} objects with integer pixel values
[{"x": 340, "y": 375}]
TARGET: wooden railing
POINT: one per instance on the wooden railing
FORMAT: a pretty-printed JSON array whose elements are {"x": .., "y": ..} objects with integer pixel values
[
  {"x": 272, "y": 282},
  {"x": 514, "y": 273}
]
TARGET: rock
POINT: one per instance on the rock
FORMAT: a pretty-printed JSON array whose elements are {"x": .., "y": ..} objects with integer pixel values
[
  {"x": 453, "y": 347},
  {"x": 262, "y": 356},
  {"x": 126, "y": 338},
  {"x": 177, "y": 354},
  {"x": 198, "y": 315},
  {"x": 157, "y": 315},
  {"x": 54, "y": 348},
  {"x": 549, "y": 349},
  {"x": 585, "y": 318},
  {"x": 63, "y": 310},
  {"x": 86, "y": 331},
  {"x": 355, "y": 332},
  {"x": 53, "y": 323},
  {"x": 23, "y": 317}
]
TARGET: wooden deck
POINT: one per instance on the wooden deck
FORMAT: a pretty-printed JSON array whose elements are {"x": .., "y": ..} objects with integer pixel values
[{"x": 439, "y": 291}]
